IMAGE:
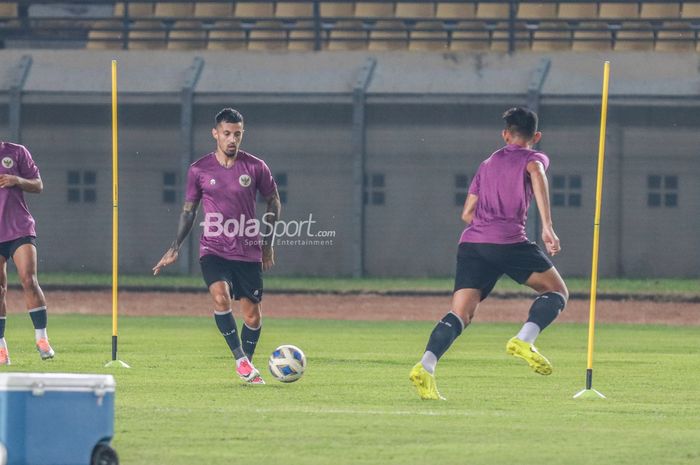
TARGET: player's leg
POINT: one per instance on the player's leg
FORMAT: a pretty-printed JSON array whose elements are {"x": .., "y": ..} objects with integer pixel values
[
  {"x": 223, "y": 315},
  {"x": 24, "y": 256},
  {"x": 530, "y": 266},
  {"x": 252, "y": 325},
  {"x": 474, "y": 280},
  {"x": 4, "y": 356}
]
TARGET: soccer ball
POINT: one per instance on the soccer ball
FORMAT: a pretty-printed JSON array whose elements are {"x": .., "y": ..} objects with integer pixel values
[{"x": 287, "y": 363}]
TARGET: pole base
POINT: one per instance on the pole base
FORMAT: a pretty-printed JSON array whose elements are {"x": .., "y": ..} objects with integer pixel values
[
  {"x": 589, "y": 394},
  {"x": 117, "y": 363}
]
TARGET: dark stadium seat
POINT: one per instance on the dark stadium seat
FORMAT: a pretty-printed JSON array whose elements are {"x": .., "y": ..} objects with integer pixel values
[
  {"x": 147, "y": 35},
  {"x": 136, "y": 10},
  {"x": 301, "y": 37},
  {"x": 273, "y": 37},
  {"x": 544, "y": 40},
  {"x": 294, "y": 9},
  {"x": 621, "y": 11},
  {"x": 455, "y": 11},
  {"x": 8, "y": 10},
  {"x": 493, "y": 10},
  {"x": 678, "y": 38},
  {"x": 499, "y": 41},
  {"x": 337, "y": 9},
  {"x": 467, "y": 41},
  {"x": 590, "y": 41},
  {"x": 634, "y": 40},
  {"x": 660, "y": 10},
  {"x": 347, "y": 35},
  {"x": 578, "y": 11},
  {"x": 537, "y": 11}
]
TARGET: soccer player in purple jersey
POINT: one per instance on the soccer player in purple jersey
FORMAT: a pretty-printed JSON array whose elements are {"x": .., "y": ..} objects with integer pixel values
[
  {"x": 494, "y": 243},
  {"x": 232, "y": 253},
  {"x": 19, "y": 174}
]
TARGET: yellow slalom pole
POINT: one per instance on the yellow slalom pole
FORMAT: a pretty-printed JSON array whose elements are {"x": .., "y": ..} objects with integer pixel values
[
  {"x": 115, "y": 219},
  {"x": 596, "y": 233}
]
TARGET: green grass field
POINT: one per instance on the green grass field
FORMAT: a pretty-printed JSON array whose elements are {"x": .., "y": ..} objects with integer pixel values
[
  {"x": 181, "y": 404},
  {"x": 656, "y": 287}
]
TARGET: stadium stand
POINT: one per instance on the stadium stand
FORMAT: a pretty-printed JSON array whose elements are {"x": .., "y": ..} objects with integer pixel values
[{"x": 502, "y": 26}]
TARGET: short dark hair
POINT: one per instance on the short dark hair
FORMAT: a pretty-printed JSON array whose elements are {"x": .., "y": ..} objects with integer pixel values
[
  {"x": 521, "y": 121},
  {"x": 228, "y": 115}
]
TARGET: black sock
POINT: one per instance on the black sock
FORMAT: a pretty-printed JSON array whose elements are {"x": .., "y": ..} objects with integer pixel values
[
  {"x": 445, "y": 332},
  {"x": 2, "y": 326},
  {"x": 227, "y": 325},
  {"x": 546, "y": 308},
  {"x": 249, "y": 339},
  {"x": 38, "y": 316}
]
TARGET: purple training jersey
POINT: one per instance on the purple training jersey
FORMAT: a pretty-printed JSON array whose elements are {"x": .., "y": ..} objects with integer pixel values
[
  {"x": 228, "y": 199},
  {"x": 16, "y": 220},
  {"x": 503, "y": 186}
]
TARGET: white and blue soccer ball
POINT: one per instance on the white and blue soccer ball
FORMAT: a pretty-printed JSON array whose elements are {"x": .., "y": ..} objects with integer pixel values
[{"x": 287, "y": 363}]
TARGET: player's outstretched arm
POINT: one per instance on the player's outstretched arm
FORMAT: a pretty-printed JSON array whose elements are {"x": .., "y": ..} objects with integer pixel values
[
  {"x": 27, "y": 185},
  {"x": 187, "y": 217},
  {"x": 540, "y": 187},
  {"x": 274, "y": 209}
]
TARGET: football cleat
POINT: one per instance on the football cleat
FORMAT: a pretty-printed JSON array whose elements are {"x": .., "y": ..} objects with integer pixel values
[
  {"x": 424, "y": 383},
  {"x": 247, "y": 372},
  {"x": 528, "y": 352},
  {"x": 44, "y": 348},
  {"x": 4, "y": 356}
]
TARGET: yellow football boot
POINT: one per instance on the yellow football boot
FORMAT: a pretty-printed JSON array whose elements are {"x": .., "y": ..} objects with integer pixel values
[
  {"x": 424, "y": 383},
  {"x": 528, "y": 352}
]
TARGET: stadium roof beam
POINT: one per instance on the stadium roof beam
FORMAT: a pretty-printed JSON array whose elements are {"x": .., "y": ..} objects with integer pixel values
[
  {"x": 19, "y": 78},
  {"x": 359, "y": 150}
]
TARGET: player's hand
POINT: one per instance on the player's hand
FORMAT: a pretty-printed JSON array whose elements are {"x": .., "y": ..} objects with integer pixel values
[
  {"x": 168, "y": 259},
  {"x": 268, "y": 257},
  {"x": 551, "y": 241},
  {"x": 8, "y": 180}
]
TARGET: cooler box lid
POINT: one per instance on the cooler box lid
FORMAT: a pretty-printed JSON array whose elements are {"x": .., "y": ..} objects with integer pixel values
[{"x": 68, "y": 382}]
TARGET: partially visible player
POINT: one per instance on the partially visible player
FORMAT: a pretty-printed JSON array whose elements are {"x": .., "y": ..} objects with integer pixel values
[
  {"x": 227, "y": 181},
  {"x": 494, "y": 243},
  {"x": 19, "y": 174}
]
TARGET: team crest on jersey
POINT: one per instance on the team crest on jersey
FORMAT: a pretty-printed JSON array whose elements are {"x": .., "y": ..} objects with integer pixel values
[
  {"x": 212, "y": 182},
  {"x": 8, "y": 163},
  {"x": 244, "y": 180}
]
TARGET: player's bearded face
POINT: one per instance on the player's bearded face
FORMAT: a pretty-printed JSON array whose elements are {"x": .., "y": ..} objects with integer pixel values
[{"x": 228, "y": 137}]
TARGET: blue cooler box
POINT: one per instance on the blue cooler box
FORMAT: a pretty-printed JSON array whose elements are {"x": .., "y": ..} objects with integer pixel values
[{"x": 55, "y": 418}]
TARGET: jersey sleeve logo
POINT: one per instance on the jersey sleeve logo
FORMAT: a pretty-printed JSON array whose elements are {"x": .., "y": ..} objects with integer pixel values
[
  {"x": 8, "y": 163},
  {"x": 244, "y": 180}
]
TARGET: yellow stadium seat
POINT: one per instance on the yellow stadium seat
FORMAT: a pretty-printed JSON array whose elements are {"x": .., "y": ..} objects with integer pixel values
[
  {"x": 254, "y": 9},
  {"x": 629, "y": 10},
  {"x": 8, "y": 10},
  {"x": 660, "y": 10},
  {"x": 493, "y": 10},
  {"x": 415, "y": 10},
  {"x": 395, "y": 37},
  {"x": 574, "y": 11},
  {"x": 455, "y": 11},
  {"x": 213, "y": 10},
  {"x": 294, "y": 9},
  {"x": 592, "y": 41},
  {"x": 374, "y": 9},
  {"x": 136, "y": 10},
  {"x": 428, "y": 36},
  {"x": 537, "y": 11},
  {"x": 274, "y": 38},
  {"x": 676, "y": 39},
  {"x": 550, "y": 41},
  {"x": 172, "y": 9},
  {"x": 469, "y": 41},
  {"x": 499, "y": 41},
  {"x": 146, "y": 35},
  {"x": 227, "y": 35},
  {"x": 639, "y": 40},
  {"x": 337, "y": 10},
  {"x": 302, "y": 37},
  {"x": 690, "y": 11},
  {"x": 99, "y": 39},
  {"x": 347, "y": 35},
  {"x": 187, "y": 35}
]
